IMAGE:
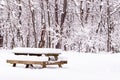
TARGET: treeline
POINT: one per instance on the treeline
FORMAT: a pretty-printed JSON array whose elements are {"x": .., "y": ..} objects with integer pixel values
[{"x": 80, "y": 25}]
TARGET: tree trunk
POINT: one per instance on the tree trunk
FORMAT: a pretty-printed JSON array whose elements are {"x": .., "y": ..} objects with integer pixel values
[
  {"x": 19, "y": 11},
  {"x": 56, "y": 13},
  {"x": 87, "y": 11},
  {"x": 33, "y": 23},
  {"x": 59, "y": 44},
  {"x": 42, "y": 41},
  {"x": 63, "y": 14},
  {"x": 108, "y": 28},
  {"x": 48, "y": 14},
  {"x": 43, "y": 23}
]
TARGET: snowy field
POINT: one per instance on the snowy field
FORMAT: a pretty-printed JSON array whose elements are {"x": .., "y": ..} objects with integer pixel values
[{"x": 81, "y": 66}]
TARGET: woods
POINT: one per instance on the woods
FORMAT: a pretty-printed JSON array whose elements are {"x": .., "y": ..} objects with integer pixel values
[{"x": 80, "y": 25}]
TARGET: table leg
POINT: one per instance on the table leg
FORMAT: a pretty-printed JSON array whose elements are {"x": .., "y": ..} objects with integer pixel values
[
  {"x": 56, "y": 58},
  {"x": 14, "y": 64},
  {"x": 44, "y": 65},
  {"x": 27, "y": 66}
]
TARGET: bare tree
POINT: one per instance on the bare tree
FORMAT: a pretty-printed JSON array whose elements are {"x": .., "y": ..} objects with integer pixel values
[
  {"x": 108, "y": 27},
  {"x": 43, "y": 23},
  {"x": 63, "y": 15},
  {"x": 48, "y": 15},
  {"x": 33, "y": 22}
]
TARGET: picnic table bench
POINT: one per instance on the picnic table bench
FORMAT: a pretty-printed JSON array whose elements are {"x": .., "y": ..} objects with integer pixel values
[
  {"x": 30, "y": 63},
  {"x": 32, "y": 56}
]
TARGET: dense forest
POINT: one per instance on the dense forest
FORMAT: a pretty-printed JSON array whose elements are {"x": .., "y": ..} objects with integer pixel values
[{"x": 79, "y": 25}]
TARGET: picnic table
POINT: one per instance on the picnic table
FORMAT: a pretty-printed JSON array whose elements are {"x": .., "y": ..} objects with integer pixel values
[
  {"x": 38, "y": 52},
  {"x": 50, "y": 53}
]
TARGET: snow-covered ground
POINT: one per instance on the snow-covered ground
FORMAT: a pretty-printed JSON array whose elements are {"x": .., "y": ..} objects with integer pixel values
[{"x": 81, "y": 66}]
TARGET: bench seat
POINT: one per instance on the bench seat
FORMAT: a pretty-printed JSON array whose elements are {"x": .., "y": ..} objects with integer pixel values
[
  {"x": 59, "y": 63},
  {"x": 30, "y": 63}
]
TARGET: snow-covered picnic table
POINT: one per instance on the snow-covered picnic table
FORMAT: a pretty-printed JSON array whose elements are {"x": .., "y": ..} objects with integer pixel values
[
  {"x": 37, "y": 51},
  {"x": 30, "y": 56}
]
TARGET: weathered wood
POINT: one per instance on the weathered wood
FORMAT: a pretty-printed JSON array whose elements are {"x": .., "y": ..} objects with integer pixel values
[
  {"x": 42, "y": 63},
  {"x": 14, "y": 64},
  {"x": 59, "y": 65},
  {"x": 27, "y": 66},
  {"x": 27, "y": 63},
  {"x": 50, "y": 54}
]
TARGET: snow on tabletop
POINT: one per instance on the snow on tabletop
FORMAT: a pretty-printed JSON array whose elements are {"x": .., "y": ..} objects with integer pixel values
[
  {"x": 28, "y": 58},
  {"x": 36, "y": 50}
]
